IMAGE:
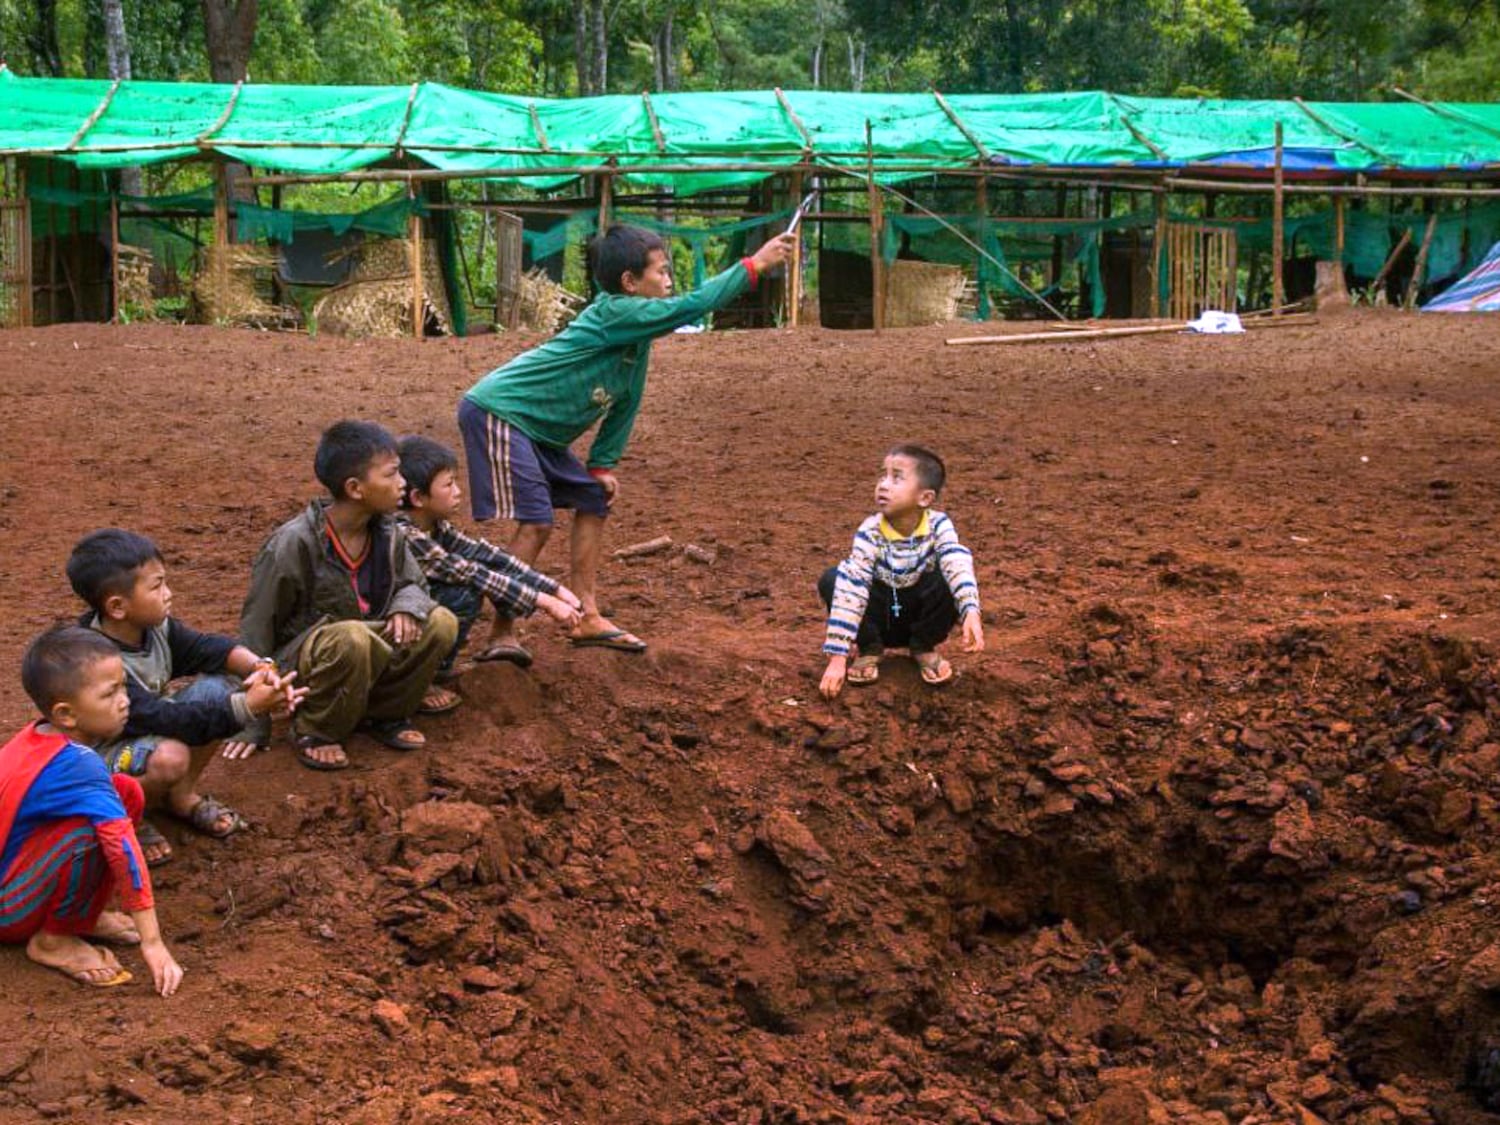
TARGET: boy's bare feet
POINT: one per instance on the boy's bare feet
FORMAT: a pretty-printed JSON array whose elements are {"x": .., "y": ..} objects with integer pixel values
[
  {"x": 77, "y": 959},
  {"x": 116, "y": 927}
]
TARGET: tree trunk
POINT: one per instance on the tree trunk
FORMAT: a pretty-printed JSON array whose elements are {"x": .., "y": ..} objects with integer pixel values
[
  {"x": 600, "y": 27},
  {"x": 229, "y": 32},
  {"x": 856, "y": 65},
  {"x": 117, "y": 51},
  {"x": 581, "y": 41},
  {"x": 817, "y": 63},
  {"x": 42, "y": 39},
  {"x": 666, "y": 52}
]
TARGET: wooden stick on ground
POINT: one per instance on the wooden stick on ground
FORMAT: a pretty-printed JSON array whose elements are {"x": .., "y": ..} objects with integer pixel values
[
  {"x": 649, "y": 547},
  {"x": 1133, "y": 330}
]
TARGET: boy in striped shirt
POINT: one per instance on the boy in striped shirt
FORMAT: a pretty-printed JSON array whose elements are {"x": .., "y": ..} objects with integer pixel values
[{"x": 906, "y": 583}]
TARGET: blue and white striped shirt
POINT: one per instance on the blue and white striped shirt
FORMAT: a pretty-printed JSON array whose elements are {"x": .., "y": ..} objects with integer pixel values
[{"x": 883, "y": 554}]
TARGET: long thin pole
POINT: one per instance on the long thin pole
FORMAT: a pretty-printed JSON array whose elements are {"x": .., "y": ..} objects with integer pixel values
[
  {"x": 114, "y": 258},
  {"x": 1158, "y": 253},
  {"x": 794, "y": 267},
  {"x": 1101, "y": 333},
  {"x": 418, "y": 305},
  {"x": 1414, "y": 286},
  {"x": 1339, "y": 204},
  {"x": 877, "y": 229},
  {"x": 1278, "y": 215},
  {"x": 26, "y": 245}
]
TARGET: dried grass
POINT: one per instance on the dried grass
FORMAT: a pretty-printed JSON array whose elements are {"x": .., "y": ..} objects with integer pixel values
[
  {"x": 919, "y": 293},
  {"x": 542, "y": 305},
  {"x": 376, "y": 300},
  {"x": 235, "y": 284}
]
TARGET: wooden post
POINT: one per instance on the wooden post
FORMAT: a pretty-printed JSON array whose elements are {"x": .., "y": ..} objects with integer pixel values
[
  {"x": 794, "y": 267},
  {"x": 1060, "y": 198},
  {"x": 221, "y": 230},
  {"x": 417, "y": 304},
  {"x": 982, "y": 205},
  {"x": 606, "y": 200},
  {"x": 1338, "y": 230},
  {"x": 877, "y": 230},
  {"x": 26, "y": 243},
  {"x": 1278, "y": 206},
  {"x": 114, "y": 257},
  {"x": 1420, "y": 268},
  {"x": 1158, "y": 251}
]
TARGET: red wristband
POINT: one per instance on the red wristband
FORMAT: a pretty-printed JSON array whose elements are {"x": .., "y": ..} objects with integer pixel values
[
  {"x": 754, "y": 273},
  {"x": 597, "y": 472}
]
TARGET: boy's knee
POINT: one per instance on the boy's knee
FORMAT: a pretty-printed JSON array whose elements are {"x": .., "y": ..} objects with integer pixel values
[
  {"x": 169, "y": 762},
  {"x": 826, "y": 584},
  {"x": 532, "y": 537},
  {"x": 132, "y": 796},
  {"x": 441, "y": 627},
  {"x": 339, "y": 641}
]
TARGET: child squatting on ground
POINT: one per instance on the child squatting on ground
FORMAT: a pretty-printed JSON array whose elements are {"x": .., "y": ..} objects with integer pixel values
[
  {"x": 462, "y": 571},
  {"x": 337, "y": 595},
  {"x": 165, "y": 743},
  {"x": 67, "y": 826},
  {"x": 518, "y": 421},
  {"x": 905, "y": 583}
]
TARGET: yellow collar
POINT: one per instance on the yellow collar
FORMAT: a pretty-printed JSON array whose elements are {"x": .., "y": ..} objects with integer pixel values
[{"x": 923, "y": 528}]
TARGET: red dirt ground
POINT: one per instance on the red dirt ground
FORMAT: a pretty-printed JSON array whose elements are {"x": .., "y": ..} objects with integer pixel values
[{"x": 1207, "y": 835}]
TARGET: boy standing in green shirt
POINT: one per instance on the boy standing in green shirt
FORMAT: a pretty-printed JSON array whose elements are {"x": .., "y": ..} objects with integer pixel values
[{"x": 518, "y": 421}]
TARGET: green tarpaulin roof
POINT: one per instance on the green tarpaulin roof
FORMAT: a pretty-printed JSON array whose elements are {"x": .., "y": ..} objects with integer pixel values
[{"x": 668, "y": 137}]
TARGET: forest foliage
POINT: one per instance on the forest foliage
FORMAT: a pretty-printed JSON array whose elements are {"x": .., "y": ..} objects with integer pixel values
[{"x": 1325, "y": 49}]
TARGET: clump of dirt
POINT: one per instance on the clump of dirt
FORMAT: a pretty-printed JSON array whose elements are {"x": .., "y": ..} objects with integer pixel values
[{"x": 1206, "y": 835}]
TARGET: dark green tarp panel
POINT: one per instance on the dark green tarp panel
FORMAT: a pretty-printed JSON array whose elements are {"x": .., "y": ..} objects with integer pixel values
[{"x": 335, "y": 129}]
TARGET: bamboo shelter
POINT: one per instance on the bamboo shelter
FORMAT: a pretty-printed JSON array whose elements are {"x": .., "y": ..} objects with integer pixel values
[{"x": 1051, "y": 204}]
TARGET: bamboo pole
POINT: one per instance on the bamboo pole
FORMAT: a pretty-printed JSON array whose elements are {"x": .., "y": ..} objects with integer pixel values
[
  {"x": 877, "y": 231},
  {"x": 418, "y": 306},
  {"x": 1339, "y": 204},
  {"x": 1415, "y": 284},
  {"x": 606, "y": 200},
  {"x": 1278, "y": 222},
  {"x": 1132, "y": 330},
  {"x": 1390, "y": 261},
  {"x": 1159, "y": 256},
  {"x": 221, "y": 229},
  {"x": 794, "y": 267},
  {"x": 982, "y": 203},
  {"x": 114, "y": 258},
  {"x": 26, "y": 246}
]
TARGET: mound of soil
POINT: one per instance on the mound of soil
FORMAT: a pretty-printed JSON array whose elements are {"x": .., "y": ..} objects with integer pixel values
[{"x": 1207, "y": 835}]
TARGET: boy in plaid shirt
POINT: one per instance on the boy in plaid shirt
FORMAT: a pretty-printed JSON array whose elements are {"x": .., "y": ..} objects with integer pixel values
[{"x": 463, "y": 571}]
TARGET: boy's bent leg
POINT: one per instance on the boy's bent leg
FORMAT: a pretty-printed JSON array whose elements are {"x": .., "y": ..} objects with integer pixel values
[
  {"x": 157, "y": 764},
  {"x": 55, "y": 890},
  {"x": 397, "y": 691},
  {"x": 338, "y": 664},
  {"x": 595, "y": 628},
  {"x": 933, "y": 612},
  {"x": 465, "y": 603}
]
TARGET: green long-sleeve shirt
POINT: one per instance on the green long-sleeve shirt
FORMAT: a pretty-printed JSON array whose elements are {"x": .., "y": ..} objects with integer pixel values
[{"x": 594, "y": 370}]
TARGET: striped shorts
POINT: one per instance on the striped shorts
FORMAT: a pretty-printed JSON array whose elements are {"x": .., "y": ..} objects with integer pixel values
[{"x": 513, "y": 477}]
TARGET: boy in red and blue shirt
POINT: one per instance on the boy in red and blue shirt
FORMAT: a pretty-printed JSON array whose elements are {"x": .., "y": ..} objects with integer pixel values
[{"x": 67, "y": 826}]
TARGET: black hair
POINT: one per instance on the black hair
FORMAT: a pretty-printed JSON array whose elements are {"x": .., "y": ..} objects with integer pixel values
[
  {"x": 620, "y": 250},
  {"x": 346, "y": 449},
  {"x": 421, "y": 460},
  {"x": 931, "y": 472},
  {"x": 56, "y": 664},
  {"x": 104, "y": 563}
]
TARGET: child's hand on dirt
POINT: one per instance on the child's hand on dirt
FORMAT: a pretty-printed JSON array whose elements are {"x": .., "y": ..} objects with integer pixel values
[
  {"x": 560, "y": 611},
  {"x": 973, "y": 633},
  {"x": 833, "y": 676},
  {"x": 774, "y": 252},
  {"x": 401, "y": 629},
  {"x": 166, "y": 973}
]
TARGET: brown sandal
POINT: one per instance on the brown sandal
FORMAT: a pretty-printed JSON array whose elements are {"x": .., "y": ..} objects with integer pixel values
[
  {"x": 863, "y": 670},
  {"x": 304, "y": 744}
]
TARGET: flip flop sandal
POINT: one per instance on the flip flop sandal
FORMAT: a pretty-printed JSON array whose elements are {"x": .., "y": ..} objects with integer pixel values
[
  {"x": 506, "y": 651},
  {"x": 150, "y": 836},
  {"x": 393, "y": 734},
  {"x": 617, "y": 639},
  {"x": 303, "y": 744},
  {"x": 863, "y": 671},
  {"x": 454, "y": 702},
  {"x": 935, "y": 672},
  {"x": 80, "y": 976},
  {"x": 204, "y": 817}
]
